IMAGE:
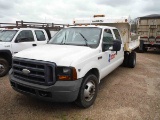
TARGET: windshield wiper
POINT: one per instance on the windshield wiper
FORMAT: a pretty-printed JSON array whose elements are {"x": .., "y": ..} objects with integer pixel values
[
  {"x": 84, "y": 39},
  {"x": 63, "y": 42}
]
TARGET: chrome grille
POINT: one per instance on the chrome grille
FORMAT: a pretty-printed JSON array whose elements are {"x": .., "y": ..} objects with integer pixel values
[{"x": 40, "y": 72}]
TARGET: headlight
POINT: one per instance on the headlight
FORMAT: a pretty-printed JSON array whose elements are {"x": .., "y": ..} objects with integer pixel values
[
  {"x": 66, "y": 73},
  {"x": 66, "y": 70}
]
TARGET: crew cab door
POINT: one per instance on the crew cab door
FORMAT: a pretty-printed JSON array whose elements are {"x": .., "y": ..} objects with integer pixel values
[
  {"x": 120, "y": 54},
  {"x": 110, "y": 59},
  {"x": 24, "y": 40},
  {"x": 41, "y": 37}
]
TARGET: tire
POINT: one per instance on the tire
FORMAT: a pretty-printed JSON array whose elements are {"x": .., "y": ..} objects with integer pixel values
[
  {"x": 88, "y": 91},
  {"x": 141, "y": 46},
  {"x": 4, "y": 67},
  {"x": 132, "y": 60},
  {"x": 126, "y": 57},
  {"x": 144, "y": 48},
  {"x": 137, "y": 50}
]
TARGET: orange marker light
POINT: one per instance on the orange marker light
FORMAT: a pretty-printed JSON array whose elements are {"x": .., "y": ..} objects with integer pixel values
[
  {"x": 74, "y": 74},
  {"x": 62, "y": 77}
]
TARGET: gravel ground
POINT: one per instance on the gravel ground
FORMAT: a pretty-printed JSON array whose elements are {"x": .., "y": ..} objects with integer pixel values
[{"x": 125, "y": 94}]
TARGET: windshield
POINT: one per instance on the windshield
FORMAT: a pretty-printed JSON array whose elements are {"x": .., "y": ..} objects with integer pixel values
[
  {"x": 87, "y": 36},
  {"x": 7, "y": 35}
]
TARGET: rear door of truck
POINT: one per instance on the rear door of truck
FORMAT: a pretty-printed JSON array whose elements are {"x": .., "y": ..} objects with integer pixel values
[
  {"x": 41, "y": 37},
  {"x": 119, "y": 54}
]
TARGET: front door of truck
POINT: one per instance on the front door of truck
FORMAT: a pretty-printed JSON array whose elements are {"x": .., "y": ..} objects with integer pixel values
[
  {"x": 110, "y": 59},
  {"x": 108, "y": 56},
  {"x": 24, "y": 40}
]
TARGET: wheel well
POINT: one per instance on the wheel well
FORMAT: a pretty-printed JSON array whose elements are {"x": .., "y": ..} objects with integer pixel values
[
  {"x": 94, "y": 71},
  {"x": 6, "y": 56}
]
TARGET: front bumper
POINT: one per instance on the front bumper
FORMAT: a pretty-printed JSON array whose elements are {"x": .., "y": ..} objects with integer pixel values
[{"x": 61, "y": 91}]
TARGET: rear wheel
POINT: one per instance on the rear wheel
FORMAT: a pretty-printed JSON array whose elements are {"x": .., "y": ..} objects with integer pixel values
[
  {"x": 126, "y": 57},
  {"x": 132, "y": 60},
  {"x": 88, "y": 91},
  {"x": 141, "y": 46},
  {"x": 4, "y": 67},
  {"x": 144, "y": 48}
]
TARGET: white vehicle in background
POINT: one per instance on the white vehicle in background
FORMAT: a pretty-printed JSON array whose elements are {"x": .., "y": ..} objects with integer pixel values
[
  {"x": 20, "y": 36},
  {"x": 70, "y": 67}
]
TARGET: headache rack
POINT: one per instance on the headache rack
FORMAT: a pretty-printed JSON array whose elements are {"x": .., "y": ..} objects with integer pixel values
[{"x": 22, "y": 24}]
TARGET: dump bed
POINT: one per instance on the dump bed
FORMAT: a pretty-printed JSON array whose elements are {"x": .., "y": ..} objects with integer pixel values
[
  {"x": 121, "y": 23},
  {"x": 149, "y": 27}
]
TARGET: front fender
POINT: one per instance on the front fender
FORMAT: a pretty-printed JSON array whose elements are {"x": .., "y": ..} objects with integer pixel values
[{"x": 87, "y": 67}]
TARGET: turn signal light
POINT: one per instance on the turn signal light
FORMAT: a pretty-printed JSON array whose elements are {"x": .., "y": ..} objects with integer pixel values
[
  {"x": 63, "y": 77},
  {"x": 74, "y": 73}
]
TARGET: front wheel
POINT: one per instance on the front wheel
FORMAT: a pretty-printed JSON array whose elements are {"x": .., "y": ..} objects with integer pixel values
[
  {"x": 4, "y": 67},
  {"x": 88, "y": 91}
]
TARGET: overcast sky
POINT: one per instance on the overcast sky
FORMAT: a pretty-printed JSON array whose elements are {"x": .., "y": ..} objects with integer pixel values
[{"x": 63, "y": 11}]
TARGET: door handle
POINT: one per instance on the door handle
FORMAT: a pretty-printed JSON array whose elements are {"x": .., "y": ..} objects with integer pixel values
[
  {"x": 100, "y": 57},
  {"x": 34, "y": 44}
]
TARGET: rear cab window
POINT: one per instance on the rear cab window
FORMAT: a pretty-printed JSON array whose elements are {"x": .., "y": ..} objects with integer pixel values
[{"x": 40, "y": 35}]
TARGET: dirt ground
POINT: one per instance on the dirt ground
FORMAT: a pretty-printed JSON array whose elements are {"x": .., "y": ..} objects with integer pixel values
[{"x": 125, "y": 94}]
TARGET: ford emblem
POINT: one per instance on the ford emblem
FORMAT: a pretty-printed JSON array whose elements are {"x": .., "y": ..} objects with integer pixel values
[{"x": 26, "y": 71}]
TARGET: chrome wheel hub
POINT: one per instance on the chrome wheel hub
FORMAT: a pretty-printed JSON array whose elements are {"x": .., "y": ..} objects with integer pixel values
[
  {"x": 89, "y": 91},
  {"x": 1, "y": 68}
]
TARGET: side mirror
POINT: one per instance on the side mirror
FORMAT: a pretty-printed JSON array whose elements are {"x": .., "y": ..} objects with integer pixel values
[
  {"x": 106, "y": 46},
  {"x": 116, "y": 45},
  {"x": 113, "y": 45}
]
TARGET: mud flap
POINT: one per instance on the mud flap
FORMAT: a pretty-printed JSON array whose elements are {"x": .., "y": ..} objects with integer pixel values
[{"x": 141, "y": 45}]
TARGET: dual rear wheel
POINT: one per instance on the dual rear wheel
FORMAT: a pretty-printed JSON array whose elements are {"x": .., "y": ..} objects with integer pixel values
[{"x": 129, "y": 59}]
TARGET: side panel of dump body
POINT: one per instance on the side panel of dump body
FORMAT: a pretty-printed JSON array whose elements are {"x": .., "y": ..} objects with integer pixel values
[
  {"x": 130, "y": 41},
  {"x": 124, "y": 29}
]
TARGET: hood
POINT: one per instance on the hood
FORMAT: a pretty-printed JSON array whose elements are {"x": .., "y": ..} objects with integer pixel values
[{"x": 62, "y": 55}]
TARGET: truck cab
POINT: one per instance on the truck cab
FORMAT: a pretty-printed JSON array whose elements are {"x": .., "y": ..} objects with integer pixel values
[
  {"x": 22, "y": 35},
  {"x": 78, "y": 58},
  {"x": 14, "y": 40}
]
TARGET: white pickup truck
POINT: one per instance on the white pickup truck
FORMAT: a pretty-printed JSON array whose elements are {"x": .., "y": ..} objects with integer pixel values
[
  {"x": 70, "y": 67},
  {"x": 19, "y": 37},
  {"x": 14, "y": 40}
]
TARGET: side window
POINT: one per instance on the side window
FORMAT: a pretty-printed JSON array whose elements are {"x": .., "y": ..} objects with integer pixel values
[
  {"x": 25, "y": 36},
  {"x": 107, "y": 39},
  {"x": 40, "y": 35},
  {"x": 117, "y": 35}
]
